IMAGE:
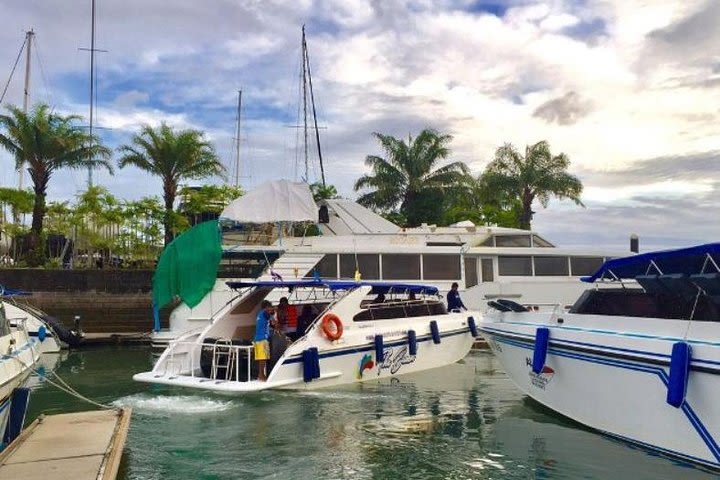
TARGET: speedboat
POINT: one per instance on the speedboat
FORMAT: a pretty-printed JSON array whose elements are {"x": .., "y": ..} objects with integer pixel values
[
  {"x": 637, "y": 357},
  {"x": 19, "y": 354},
  {"x": 358, "y": 331}
]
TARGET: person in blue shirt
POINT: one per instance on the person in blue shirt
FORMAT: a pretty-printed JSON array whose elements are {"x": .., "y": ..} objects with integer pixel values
[
  {"x": 454, "y": 301},
  {"x": 261, "y": 344}
]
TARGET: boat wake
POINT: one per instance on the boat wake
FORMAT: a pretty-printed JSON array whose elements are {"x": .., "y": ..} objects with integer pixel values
[{"x": 182, "y": 404}]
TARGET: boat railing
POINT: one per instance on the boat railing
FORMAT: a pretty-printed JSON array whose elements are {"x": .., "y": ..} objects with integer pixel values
[{"x": 226, "y": 360}]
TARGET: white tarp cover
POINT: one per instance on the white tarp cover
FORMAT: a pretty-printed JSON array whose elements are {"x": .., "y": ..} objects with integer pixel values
[{"x": 274, "y": 201}]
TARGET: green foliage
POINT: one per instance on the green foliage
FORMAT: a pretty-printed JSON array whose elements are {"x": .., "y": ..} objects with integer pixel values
[
  {"x": 196, "y": 201},
  {"x": 173, "y": 156},
  {"x": 537, "y": 175},
  {"x": 407, "y": 180},
  {"x": 323, "y": 192},
  {"x": 44, "y": 141}
]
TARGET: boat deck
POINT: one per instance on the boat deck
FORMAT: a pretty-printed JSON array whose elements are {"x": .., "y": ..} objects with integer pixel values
[{"x": 73, "y": 446}]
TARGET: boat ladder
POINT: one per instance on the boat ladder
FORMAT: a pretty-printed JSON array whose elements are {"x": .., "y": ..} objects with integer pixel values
[{"x": 224, "y": 357}]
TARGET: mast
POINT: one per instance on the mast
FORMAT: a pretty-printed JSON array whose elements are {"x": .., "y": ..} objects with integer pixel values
[
  {"x": 92, "y": 82},
  {"x": 304, "y": 89},
  {"x": 237, "y": 152},
  {"x": 26, "y": 93},
  {"x": 306, "y": 60}
]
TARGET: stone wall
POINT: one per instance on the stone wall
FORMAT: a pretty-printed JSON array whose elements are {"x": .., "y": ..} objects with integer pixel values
[{"x": 108, "y": 301}]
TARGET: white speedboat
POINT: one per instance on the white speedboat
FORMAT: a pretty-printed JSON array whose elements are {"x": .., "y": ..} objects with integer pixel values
[
  {"x": 359, "y": 331},
  {"x": 637, "y": 357},
  {"x": 19, "y": 354},
  {"x": 49, "y": 331}
]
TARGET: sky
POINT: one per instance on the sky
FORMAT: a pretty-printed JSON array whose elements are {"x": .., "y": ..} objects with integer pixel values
[{"x": 628, "y": 89}]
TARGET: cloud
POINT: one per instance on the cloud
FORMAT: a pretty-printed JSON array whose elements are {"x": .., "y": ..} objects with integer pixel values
[{"x": 564, "y": 110}]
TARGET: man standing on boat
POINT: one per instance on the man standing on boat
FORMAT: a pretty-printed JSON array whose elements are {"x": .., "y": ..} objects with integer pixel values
[
  {"x": 261, "y": 343},
  {"x": 454, "y": 302}
]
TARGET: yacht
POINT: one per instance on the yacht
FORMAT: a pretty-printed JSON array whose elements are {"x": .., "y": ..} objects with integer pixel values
[
  {"x": 346, "y": 240},
  {"x": 637, "y": 357}
]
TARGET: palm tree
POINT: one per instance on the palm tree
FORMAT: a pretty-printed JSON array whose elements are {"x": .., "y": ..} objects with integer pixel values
[
  {"x": 323, "y": 192},
  {"x": 407, "y": 177},
  {"x": 172, "y": 156},
  {"x": 45, "y": 141},
  {"x": 538, "y": 175}
]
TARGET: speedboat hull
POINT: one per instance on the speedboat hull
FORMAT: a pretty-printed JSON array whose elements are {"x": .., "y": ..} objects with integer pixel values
[{"x": 612, "y": 374}]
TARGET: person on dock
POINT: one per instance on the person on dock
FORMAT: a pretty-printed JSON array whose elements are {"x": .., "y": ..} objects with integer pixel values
[
  {"x": 454, "y": 302},
  {"x": 261, "y": 341}
]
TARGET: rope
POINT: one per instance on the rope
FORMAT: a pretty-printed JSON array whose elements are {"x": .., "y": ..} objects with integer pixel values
[{"x": 17, "y": 60}]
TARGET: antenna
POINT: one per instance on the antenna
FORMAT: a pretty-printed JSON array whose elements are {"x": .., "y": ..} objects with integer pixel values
[{"x": 237, "y": 152}]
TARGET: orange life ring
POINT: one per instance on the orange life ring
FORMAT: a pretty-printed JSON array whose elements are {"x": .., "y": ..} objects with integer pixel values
[{"x": 334, "y": 332}]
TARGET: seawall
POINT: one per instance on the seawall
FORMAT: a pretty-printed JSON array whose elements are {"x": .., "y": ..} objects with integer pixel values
[{"x": 108, "y": 301}]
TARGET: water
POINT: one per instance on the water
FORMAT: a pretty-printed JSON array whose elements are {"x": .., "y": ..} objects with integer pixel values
[{"x": 458, "y": 422}]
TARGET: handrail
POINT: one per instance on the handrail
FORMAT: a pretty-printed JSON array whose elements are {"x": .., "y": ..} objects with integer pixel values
[{"x": 232, "y": 352}]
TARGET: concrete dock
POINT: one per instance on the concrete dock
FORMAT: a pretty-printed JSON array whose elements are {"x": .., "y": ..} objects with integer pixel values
[{"x": 72, "y": 446}]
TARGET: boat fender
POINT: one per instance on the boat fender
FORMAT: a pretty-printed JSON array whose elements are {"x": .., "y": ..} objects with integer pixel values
[
  {"x": 311, "y": 364},
  {"x": 542, "y": 340},
  {"x": 435, "y": 331},
  {"x": 16, "y": 419},
  {"x": 379, "y": 349},
  {"x": 42, "y": 333},
  {"x": 332, "y": 327},
  {"x": 679, "y": 372},
  {"x": 412, "y": 342},
  {"x": 473, "y": 327}
]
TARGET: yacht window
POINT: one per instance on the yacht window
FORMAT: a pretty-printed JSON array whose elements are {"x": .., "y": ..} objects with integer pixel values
[
  {"x": 488, "y": 242},
  {"x": 441, "y": 267},
  {"x": 471, "y": 274},
  {"x": 512, "y": 240},
  {"x": 486, "y": 267},
  {"x": 367, "y": 263},
  {"x": 401, "y": 267},
  {"x": 541, "y": 242},
  {"x": 585, "y": 265},
  {"x": 515, "y": 266},
  {"x": 326, "y": 268},
  {"x": 552, "y": 266}
]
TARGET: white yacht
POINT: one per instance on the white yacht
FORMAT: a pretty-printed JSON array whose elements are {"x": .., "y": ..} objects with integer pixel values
[
  {"x": 487, "y": 262},
  {"x": 637, "y": 357},
  {"x": 356, "y": 331}
]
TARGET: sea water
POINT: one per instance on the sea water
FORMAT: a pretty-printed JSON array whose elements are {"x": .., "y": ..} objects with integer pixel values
[{"x": 463, "y": 421}]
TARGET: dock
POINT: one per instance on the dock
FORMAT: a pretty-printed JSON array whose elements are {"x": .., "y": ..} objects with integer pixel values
[{"x": 72, "y": 446}]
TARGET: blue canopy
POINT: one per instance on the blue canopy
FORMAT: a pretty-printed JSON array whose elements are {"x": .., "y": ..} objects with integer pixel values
[
  {"x": 684, "y": 260},
  {"x": 377, "y": 287},
  {"x": 7, "y": 292}
]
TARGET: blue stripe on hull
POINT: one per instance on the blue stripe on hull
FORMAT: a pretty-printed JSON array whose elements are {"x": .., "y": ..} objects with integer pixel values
[{"x": 687, "y": 410}]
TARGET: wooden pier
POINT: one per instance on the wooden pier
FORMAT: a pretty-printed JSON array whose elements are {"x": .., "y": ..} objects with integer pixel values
[{"x": 72, "y": 446}]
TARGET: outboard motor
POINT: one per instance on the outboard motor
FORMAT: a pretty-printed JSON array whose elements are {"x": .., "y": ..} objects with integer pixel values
[{"x": 72, "y": 337}]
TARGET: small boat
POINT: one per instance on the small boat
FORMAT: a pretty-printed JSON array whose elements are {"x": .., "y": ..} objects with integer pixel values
[
  {"x": 20, "y": 353},
  {"x": 637, "y": 357},
  {"x": 358, "y": 331}
]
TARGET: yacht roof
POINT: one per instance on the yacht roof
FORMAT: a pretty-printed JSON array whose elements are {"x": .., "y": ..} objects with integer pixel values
[
  {"x": 349, "y": 218},
  {"x": 377, "y": 287}
]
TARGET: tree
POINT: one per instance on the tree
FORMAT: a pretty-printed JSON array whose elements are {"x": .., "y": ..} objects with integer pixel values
[
  {"x": 323, "y": 192},
  {"x": 45, "y": 141},
  {"x": 172, "y": 156},
  {"x": 538, "y": 175},
  {"x": 199, "y": 203},
  {"x": 407, "y": 178},
  {"x": 476, "y": 201}
]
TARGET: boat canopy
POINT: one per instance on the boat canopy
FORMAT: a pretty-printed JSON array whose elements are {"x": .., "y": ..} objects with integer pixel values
[
  {"x": 377, "y": 287},
  {"x": 272, "y": 202},
  {"x": 8, "y": 292},
  {"x": 687, "y": 261}
]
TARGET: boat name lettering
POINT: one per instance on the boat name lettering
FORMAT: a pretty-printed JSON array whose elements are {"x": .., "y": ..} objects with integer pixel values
[
  {"x": 395, "y": 358},
  {"x": 394, "y": 333},
  {"x": 542, "y": 379}
]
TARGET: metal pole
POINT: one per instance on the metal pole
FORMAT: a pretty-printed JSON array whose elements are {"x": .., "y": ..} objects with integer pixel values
[
  {"x": 304, "y": 88},
  {"x": 237, "y": 153},
  {"x": 92, "y": 83},
  {"x": 312, "y": 101},
  {"x": 26, "y": 94}
]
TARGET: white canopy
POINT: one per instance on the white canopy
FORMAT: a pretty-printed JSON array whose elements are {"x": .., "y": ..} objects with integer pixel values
[{"x": 274, "y": 201}]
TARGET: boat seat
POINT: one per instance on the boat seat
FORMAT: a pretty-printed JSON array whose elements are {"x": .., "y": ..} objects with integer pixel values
[
  {"x": 652, "y": 285},
  {"x": 679, "y": 284}
]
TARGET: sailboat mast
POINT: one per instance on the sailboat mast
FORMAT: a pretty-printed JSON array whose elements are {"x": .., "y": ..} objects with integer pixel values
[
  {"x": 26, "y": 93},
  {"x": 237, "y": 138},
  {"x": 304, "y": 89},
  {"x": 92, "y": 83},
  {"x": 314, "y": 113}
]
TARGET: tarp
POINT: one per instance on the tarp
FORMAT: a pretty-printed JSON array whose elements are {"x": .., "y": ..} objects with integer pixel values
[
  {"x": 274, "y": 201},
  {"x": 684, "y": 260},
  {"x": 188, "y": 266},
  {"x": 377, "y": 287}
]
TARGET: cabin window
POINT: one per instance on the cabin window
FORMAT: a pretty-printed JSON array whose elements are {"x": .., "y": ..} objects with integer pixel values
[
  {"x": 512, "y": 240},
  {"x": 541, "y": 242},
  {"x": 401, "y": 267},
  {"x": 552, "y": 266},
  {"x": 585, "y": 265},
  {"x": 515, "y": 266},
  {"x": 367, "y": 263},
  {"x": 487, "y": 270},
  {"x": 326, "y": 268},
  {"x": 471, "y": 274},
  {"x": 441, "y": 267},
  {"x": 488, "y": 242}
]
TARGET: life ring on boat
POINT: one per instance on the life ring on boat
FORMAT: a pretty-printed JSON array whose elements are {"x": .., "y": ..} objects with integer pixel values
[{"x": 335, "y": 331}]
